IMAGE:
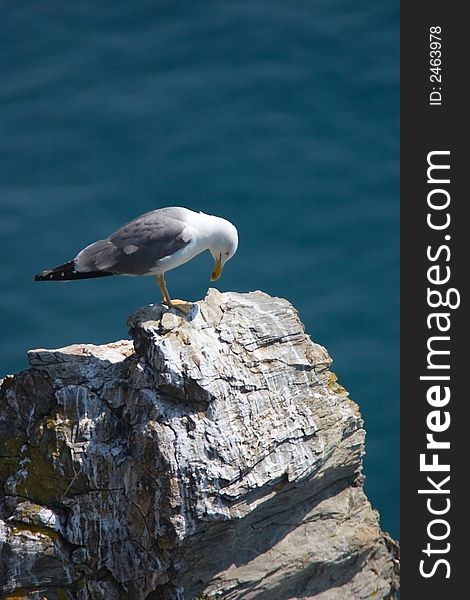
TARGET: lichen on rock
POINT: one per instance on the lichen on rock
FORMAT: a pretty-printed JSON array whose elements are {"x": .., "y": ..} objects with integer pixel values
[{"x": 213, "y": 456}]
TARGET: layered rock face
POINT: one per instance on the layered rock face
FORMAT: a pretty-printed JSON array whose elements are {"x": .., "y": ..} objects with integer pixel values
[{"x": 214, "y": 456}]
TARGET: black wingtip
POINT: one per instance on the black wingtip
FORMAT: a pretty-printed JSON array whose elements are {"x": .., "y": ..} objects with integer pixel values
[
  {"x": 60, "y": 273},
  {"x": 67, "y": 272},
  {"x": 44, "y": 275}
]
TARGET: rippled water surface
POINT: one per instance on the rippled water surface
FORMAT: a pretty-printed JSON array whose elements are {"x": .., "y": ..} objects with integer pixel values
[{"x": 281, "y": 116}]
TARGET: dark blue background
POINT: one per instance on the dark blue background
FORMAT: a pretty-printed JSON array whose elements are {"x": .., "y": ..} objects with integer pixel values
[{"x": 280, "y": 116}]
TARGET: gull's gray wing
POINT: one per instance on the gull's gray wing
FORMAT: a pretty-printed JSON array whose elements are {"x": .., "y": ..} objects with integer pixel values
[{"x": 135, "y": 248}]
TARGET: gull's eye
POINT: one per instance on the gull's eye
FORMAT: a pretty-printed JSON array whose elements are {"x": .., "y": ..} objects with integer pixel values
[{"x": 227, "y": 253}]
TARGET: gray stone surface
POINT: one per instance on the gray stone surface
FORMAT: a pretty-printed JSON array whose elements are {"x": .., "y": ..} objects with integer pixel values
[{"x": 215, "y": 456}]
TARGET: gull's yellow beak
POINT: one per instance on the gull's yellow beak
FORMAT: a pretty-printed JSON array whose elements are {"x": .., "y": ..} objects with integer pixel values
[{"x": 217, "y": 269}]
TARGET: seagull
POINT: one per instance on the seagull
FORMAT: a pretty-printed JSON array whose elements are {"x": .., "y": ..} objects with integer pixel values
[{"x": 153, "y": 244}]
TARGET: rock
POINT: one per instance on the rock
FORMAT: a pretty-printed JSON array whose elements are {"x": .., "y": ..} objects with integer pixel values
[{"x": 215, "y": 456}]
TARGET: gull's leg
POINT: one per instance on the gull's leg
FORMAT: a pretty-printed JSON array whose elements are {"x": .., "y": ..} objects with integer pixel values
[
  {"x": 181, "y": 305},
  {"x": 162, "y": 285}
]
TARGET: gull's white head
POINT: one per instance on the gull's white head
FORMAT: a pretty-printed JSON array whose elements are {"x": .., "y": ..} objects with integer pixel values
[{"x": 223, "y": 245}]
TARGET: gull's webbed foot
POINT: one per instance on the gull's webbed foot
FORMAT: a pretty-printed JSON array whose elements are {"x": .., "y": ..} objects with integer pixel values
[{"x": 182, "y": 305}]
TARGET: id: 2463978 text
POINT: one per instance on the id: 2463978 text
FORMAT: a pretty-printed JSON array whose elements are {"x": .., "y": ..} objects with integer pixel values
[{"x": 435, "y": 62}]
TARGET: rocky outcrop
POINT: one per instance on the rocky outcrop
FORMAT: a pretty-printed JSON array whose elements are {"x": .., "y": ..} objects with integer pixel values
[{"x": 214, "y": 456}]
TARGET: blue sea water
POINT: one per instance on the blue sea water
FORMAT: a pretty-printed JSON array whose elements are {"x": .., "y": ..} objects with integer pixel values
[{"x": 281, "y": 116}]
